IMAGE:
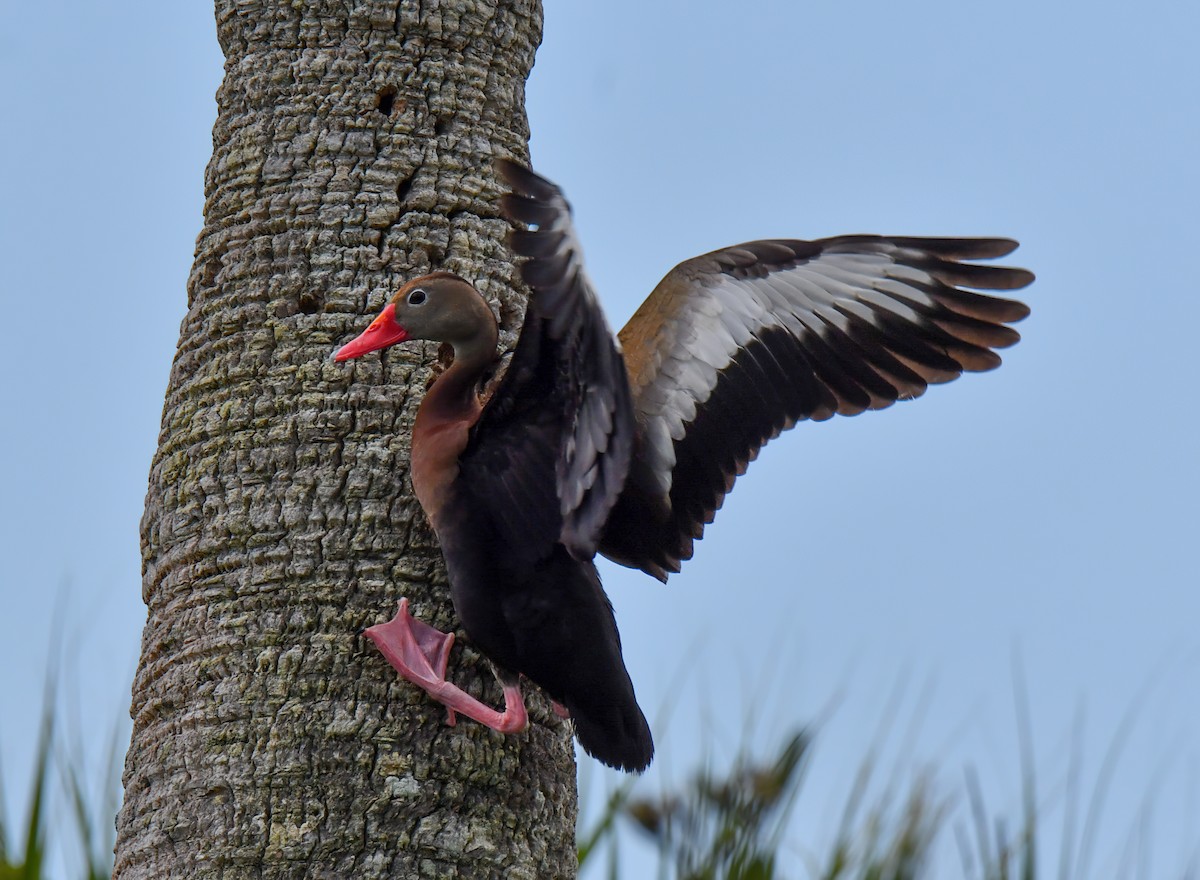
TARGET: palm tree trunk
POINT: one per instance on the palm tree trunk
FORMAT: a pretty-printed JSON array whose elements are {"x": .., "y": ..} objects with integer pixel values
[{"x": 352, "y": 149}]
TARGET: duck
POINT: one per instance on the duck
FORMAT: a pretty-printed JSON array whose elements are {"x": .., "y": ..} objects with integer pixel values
[{"x": 626, "y": 446}]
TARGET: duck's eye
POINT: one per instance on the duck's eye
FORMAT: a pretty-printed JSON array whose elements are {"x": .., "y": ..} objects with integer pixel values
[{"x": 416, "y": 297}]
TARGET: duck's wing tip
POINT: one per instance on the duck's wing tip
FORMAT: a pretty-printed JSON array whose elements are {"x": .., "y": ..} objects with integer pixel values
[{"x": 524, "y": 181}]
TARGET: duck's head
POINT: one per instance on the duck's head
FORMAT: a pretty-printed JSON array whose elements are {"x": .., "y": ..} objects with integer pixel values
[{"x": 441, "y": 307}]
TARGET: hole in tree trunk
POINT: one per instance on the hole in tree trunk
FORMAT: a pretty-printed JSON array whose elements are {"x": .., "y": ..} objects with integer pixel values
[
  {"x": 387, "y": 101},
  {"x": 402, "y": 188}
]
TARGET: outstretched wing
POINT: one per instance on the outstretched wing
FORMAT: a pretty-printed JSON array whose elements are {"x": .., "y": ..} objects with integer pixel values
[
  {"x": 559, "y": 427},
  {"x": 736, "y": 346}
]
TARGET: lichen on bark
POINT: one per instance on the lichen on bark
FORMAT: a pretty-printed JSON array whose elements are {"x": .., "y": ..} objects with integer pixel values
[{"x": 352, "y": 149}]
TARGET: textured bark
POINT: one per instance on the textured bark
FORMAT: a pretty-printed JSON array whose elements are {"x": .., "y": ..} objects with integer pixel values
[{"x": 352, "y": 150}]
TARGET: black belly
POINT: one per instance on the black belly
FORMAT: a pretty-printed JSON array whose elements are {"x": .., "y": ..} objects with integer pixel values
[{"x": 552, "y": 623}]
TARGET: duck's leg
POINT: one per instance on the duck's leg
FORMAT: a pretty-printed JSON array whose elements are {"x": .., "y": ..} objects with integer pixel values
[{"x": 420, "y": 653}]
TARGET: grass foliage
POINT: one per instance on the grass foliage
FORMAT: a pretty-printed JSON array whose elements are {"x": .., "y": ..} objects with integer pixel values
[
  {"x": 27, "y": 863},
  {"x": 92, "y": 816},
  {"x": 733, "y": 826}
]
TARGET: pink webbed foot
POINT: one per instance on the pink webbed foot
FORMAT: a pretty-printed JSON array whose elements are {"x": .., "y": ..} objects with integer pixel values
[{"x": 420, "y": 653}]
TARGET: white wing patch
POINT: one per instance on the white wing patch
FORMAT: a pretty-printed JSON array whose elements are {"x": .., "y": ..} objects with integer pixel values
[{"x": 723, "y": 314}]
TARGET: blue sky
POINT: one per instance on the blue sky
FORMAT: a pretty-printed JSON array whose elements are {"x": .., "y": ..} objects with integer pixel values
[{"x": 1044, "y": 515}]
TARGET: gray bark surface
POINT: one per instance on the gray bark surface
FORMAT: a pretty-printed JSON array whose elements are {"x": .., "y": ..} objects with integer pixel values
[{"x": 352, "y": 150}]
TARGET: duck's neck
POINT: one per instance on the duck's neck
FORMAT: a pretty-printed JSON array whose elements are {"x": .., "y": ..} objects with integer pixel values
[
  {"x": 450, "y": 408},
  {"x": 455, "y": 393}
]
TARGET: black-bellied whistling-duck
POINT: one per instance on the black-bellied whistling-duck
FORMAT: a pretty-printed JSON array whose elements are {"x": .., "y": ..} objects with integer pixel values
[{"x": 585, "y": 447}]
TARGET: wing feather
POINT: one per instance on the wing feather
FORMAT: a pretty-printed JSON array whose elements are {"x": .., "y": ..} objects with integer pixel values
[
  {"x": 564, "y": 408},
  {"x": 736, "y": 346}
]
